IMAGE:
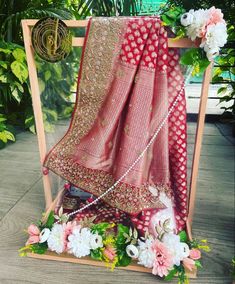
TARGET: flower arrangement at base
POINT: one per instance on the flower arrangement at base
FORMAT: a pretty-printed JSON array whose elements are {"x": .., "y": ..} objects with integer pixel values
[{"x": 166, "y": 255}]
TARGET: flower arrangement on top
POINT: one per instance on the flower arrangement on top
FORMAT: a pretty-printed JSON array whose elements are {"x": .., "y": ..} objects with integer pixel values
[
  {"x": 207, "y": 26},
  {"x": 166, "y": 255}
]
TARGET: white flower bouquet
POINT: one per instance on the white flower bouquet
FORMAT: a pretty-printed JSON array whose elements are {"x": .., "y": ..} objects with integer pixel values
[{"x": 208, "y": 25}]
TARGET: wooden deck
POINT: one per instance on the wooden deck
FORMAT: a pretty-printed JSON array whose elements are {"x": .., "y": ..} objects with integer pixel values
[{"x": 21, "y": 202}]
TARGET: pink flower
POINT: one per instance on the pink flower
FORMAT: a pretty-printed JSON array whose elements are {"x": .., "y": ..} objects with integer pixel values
[
  {"x": 216, "y": 16},
  {"x": 32, "y": 240},
  {"x": 34, "y": 233},
  {"x": 195, "y": 254},
  {"x": 189, "y": 263},
  {"x": 33, "y": 230},
  {"x": 68, "y": 228},
  {"x": 110, "y": 253},
  {"x": 163, "y": 259}
]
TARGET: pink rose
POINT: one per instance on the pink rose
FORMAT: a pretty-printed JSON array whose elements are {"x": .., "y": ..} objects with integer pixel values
[
  {"x": 216, "y": 16},
  {"x": 33, "y": 230},
  {"x": 195, "y": 254},
  {"x": 189, "y": 263}
]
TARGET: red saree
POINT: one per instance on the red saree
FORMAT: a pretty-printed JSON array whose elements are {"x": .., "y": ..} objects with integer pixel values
[{"x": 128, "y": 80}]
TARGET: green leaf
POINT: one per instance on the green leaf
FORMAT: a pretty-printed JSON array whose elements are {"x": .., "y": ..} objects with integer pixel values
[
  {"x": 51, "y": 114},
  {"x": 50, "y": 220},
  {"x": 195, "y": 57},
  {"x": 222, "y": 90},
  {"x": 183, "y": 236},
  {"x": 189, "y": 57},
  {"x": 32, "y": 129},
  {"x": 3, "y": 137},
  {"x": 6, "y": 135},
  {"x": 198, "y": 264},
  {"x": 19, "y": 87},
  {"x": 29, "y": 120},
  {"x": 124, "y": 260},
  {"x": 96, "y": 254},
  {"x": 67, "y": 111},
  {"x": 47, "y": 75},
  {"x": 2, "y": 119},
  {"x": 6, "y": 51},
  {"x": 100, "y": 228},
  {"x": 3, "y": 64},
  {"x": 42, "y": 85},
  {"x": 15, "y": 94},
  {"x": 19, "y": 54},
  {"x": 39, "y": 248},
  {"x": 168, "y": 21},
  {"x": 203, "y": 63},
  {"x": 50, "y": 128},
  {"x": 20, "y": 70},
  {"x": 9, "y": 135},
  {"x": 171, "y": 274},
  {"x": 121, "y": 229},
  {"x": 3, "y": 78}
]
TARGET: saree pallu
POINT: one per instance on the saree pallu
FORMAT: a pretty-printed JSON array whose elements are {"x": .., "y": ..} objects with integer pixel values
[{"x": 128, "y": 80}]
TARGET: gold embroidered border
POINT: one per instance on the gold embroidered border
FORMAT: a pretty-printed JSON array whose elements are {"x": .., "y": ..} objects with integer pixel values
[
  {"x": 103, "y": 42},
  {"x": 126, "y": 197}
]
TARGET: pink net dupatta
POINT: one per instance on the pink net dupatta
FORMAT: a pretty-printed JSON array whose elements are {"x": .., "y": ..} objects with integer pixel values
[{"x": 127, "y": 82}]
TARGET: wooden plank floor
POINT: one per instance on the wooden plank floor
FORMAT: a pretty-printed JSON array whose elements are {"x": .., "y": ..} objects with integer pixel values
[{"x": 21, "y": 202}]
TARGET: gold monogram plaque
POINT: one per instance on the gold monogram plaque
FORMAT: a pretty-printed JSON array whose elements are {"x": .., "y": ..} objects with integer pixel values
[{"x": 51, "y": 39}]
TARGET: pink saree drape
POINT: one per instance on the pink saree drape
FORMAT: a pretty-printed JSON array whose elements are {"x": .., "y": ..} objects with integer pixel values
[{"x": 128, "y": 80}]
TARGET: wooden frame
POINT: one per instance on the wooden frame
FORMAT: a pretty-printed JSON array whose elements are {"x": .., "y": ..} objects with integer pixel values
[{"x": 78, "y": 42}]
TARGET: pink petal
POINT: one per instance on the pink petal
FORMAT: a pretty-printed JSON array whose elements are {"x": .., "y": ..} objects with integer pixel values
[
  {"x": 33, "y": 230},
  {"x": 32, "y": 240},
  {"x": 189, "y": 263}
]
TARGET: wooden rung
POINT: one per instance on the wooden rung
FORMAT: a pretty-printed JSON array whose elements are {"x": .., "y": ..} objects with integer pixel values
[
  {"x": 69, "y": 23},
  {"x": 79, "y": 41}
]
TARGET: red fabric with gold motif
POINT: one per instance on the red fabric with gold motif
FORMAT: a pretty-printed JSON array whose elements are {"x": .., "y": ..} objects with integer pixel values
[{"x": 128, "y": 80}]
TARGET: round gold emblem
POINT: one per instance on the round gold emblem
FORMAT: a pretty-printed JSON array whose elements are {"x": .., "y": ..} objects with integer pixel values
[{"x": 51, "y": 39}]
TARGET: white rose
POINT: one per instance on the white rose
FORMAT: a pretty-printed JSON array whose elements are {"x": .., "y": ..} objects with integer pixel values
[
  {"x": 216, "y": 36},
  {"x": 187, "y": 19},
  {"x": 178, "y": 250},
  {"x": 96, "y": 241},
  {"x": 44, "y": 235},
  {"x": 132, "y": 251},
  {"x": 79, "y": 242},
  {"x": 56, "y": 239},
  {"x": 196, "y": 28},
  {"x": 146, "y": 254}
]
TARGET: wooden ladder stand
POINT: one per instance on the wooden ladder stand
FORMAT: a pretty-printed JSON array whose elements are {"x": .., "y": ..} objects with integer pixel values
[{"x": 37, "y": 108}]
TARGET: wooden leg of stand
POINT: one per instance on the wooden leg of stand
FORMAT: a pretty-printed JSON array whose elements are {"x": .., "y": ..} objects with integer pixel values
[
  {"x": 197, "y": 147},
  {"x": 37, "y": 108}
]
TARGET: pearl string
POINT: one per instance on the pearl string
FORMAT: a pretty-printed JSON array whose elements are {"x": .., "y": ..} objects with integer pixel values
[{"x": 141, "y": 155}]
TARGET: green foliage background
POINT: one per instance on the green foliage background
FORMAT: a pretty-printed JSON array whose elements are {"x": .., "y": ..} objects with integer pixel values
[{"x": 58, "y": 80}]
